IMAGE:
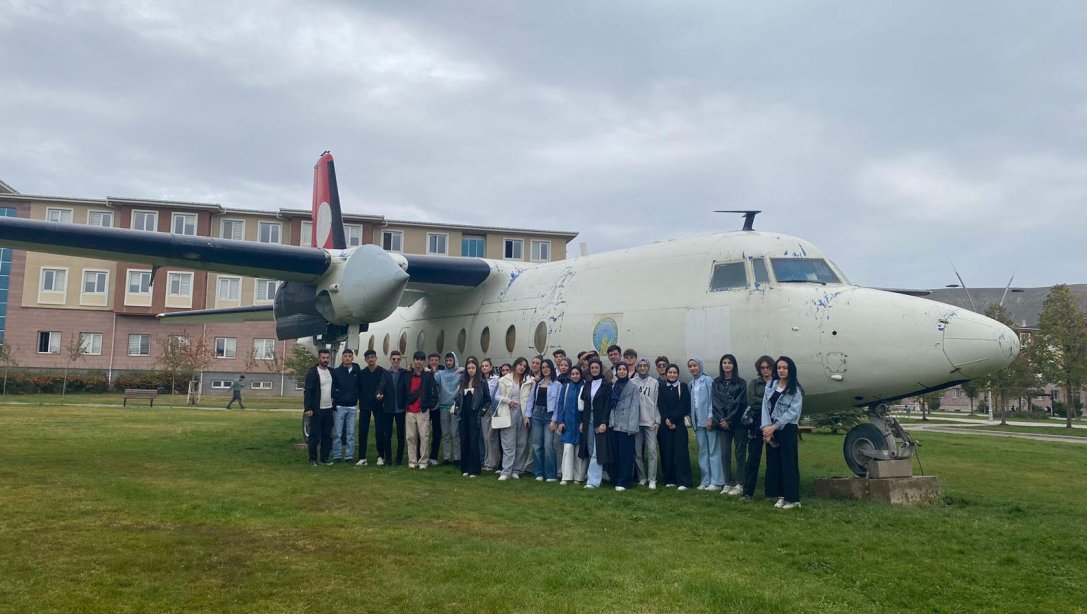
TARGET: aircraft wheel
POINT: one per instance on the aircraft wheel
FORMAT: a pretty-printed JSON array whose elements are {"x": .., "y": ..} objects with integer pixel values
[{"x": 862, "y": 438}]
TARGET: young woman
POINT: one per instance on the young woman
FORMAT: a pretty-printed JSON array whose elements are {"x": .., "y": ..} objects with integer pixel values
[
  {"x": 545, "y": 398},
  {"x": 473, "y": 399},
  {"x": 515, "y": 436},
  {"x": 623, "y": 414},
  {"x": 782, "y": 404},
  {"x": 709, "y": 455},
  {"x": 595, "y": 395},
  {"x": 729, "y": 403},
  {"x": 567, "y": 421},
  {"x": 674, "y": 404},
  {"x": 490, "y": 437},
  {"x": 751, "y": 423}
]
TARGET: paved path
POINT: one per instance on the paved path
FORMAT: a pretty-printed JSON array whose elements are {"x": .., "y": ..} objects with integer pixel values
[
  {"x": 966, "y": 430},
  {"x": 1055, "y": 423}
]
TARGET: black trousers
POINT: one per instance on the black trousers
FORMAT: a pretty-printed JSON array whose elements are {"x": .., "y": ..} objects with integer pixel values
[
  {"x": 623, "y": 465},
  {"x": 364, "y": 431},
  {"x": 320, "y": 433},
  {"x": 754, "y": 461},
  {"x": 385, "y": 436},
  {"x": 470, "y": 461},
  {"x": 435, "y": 433},
  {"x": 783, "y": 466},
  {"x": 675, "y": 455}
]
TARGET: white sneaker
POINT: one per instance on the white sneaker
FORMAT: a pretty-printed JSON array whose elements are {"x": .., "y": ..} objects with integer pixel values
[
  {"x": 790, "y": 505},
  {"x": 503, "y": 478},
  {"x": 465, "y": 474},
  {"x": 380, "y": 462},
  {"x": 433, "y": 461},
  {"x": 517, "y": 476},
  {"x": 563, "y": 483},
  {"x": 552, "y": 480},
  {"x": 473, "y": 476},
  {"x": 682, "y": 488},
  {"x": 669, "y": 485},
  {"x": 422, "y": 465},
  {"x": 780, "y": 503},
  {"x": 539, "y": 478},
  {"x": 737, "y": 490},
  {"x": 361, "y": 463},
  {"x": 589, "y": 486},
  {"x": 652, "y": 485},
  {"x": 411, "y": 466},
  {"x": 619, "y": 489},
  {"x": 641, "y": 482},
  {"x": 702, "y": 487}
]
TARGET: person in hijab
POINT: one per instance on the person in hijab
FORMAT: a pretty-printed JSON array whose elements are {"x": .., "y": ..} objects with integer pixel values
[
  {"x": 624, "y": 414},
  {"x": 595, "y": 396},
  {"x": 674, "y": 403},
  {"x": 709, "y": 455},
  {"x": 645, "y": 443},
  {"x": 568, "y": 426}
]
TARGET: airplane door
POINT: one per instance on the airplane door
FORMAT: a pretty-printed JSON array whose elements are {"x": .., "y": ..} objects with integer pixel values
[{"x": 708, "y": 334}]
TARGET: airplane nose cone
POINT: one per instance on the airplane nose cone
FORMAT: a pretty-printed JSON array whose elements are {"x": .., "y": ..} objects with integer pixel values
[{"x": 977, "y": 345}]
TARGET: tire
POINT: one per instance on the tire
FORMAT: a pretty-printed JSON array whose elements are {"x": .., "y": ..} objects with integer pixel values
[{"x": 861, "y": 438}]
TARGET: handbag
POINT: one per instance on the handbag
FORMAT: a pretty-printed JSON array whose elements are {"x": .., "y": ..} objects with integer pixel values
[{"x": 501, "y": 418}]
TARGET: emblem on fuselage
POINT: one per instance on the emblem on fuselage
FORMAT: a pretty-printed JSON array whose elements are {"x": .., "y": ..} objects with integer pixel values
[{"x": 605, "y": 333}]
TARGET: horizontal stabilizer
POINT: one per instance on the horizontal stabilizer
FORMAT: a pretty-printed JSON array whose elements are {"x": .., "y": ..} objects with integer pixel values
[
  {"x": 267, "y": 260},
  {"x": 906, "y": 291},
  {"x": 231, "y": 315}
]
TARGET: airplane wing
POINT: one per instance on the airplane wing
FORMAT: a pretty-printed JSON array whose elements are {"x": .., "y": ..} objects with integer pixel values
[
  {"x": 267, "y": 260},
  {"x": 232, "y": 315}
]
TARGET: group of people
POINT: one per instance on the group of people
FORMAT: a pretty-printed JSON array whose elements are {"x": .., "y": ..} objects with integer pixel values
[{"x": 566, "y": 420}]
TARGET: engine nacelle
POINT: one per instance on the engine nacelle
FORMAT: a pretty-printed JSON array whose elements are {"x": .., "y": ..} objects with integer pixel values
[{"x": 363, "y": 284}]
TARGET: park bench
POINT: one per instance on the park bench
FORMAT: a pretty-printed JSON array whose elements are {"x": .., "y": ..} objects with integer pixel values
[
  {"x": 138, "y": 393},
  {"x": 803, "y": 428}
]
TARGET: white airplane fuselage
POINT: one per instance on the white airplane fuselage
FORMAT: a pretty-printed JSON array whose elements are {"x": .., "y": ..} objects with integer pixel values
[{"x": 853, "y": 346}]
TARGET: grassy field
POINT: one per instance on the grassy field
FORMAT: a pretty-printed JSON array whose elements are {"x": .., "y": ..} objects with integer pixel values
[
  {"x": 209, "y": 401},
  {"x": 109, "y": 510}
]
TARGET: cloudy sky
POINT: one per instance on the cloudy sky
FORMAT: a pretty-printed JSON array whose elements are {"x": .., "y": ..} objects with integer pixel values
[{"x": 898, "y": 136}]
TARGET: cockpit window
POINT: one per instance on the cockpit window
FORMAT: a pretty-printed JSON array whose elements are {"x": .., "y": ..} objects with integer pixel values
[
  {"x": 815, "y": 270},
  {"x": 728, "y": 276},
  {"x": 761, "y": 276}
]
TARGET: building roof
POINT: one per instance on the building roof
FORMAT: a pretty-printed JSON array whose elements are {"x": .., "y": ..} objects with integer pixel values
[
  {"x": 115, "y": 201},
  {"x": 520, "y": 231},
  {"x": 6, "y": 189},
  {"x": 353, "y": 217},
  {"x": 1024, "y": 304}
]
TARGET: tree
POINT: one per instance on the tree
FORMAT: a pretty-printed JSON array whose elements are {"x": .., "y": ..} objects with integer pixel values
[
  {"x": 300, "y": 361},
  {"x": 1061, "y": 347},
  {"x": 73, "y": 352},
  {"x": 172, "y": 357},
  {"x": 843, "y": 420},
  {"x": 7, "y": 360},
  {"x": 1014, "y": 379},
  {"x": 260, "y": 358},
  {"x": 184, "y": 358},
  {"x": 971, "y": 391}
]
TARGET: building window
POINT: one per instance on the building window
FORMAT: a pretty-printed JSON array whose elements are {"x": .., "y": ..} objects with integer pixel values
[
  {"x": 221, "y": 384},
  {"x": 180, "y": 284},
  {"x": 269, "y": 232},
  {"x": 94, "y": 282},
  {"x": 306, "y": 230},
  {"x": 184, "y": 224},
  {"x": 100, "y": 218},
  {"x": 139, "y": 345},
  {"x": 232, "y": 229},
  {"x": 49, "y": 342},
  {"x": 266, "y": 289},
  {"x": 264, "y": 349},
  {"x": 392, "y": 240},
  {"x": 139, "y": 282},
  {"x": 226, "y": 347},
  {"x": 514, "y": 249},
  {"x": 261, "y": 385},
  {"x": 473, "y": 246},
  {"x": 230, "y": 288},
  {"x": 145, "y": 220},
  {"x": 54, "y": 280},
  {"x": 63, "y": 216},
  {"x": 437, "y": 244},
  {"x": 91, "y": 343},
  {"x": 353, "y": 234},
  {"x": 541, "y": 251}
]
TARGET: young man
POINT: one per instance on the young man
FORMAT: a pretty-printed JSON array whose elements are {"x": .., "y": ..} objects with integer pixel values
[
  {"x": 418, "y": 395},
  {"x": 345, "y": 398},
  {"x": 317, "y": 405},
  {"x": 448, "y": 385},
  {"x": 434, "y": 365},
  {"x": 391, "y": 410},
  {"x": 236, "y": 388},
  {"x": 648, "y": 425},
  {"x": 370, "y": 404},
  {"x": 615, "y": 356},
  {"x": 662, "y": 363},
  {"x": 557, "y": 355},
  {"x": 630, "y": 357}
]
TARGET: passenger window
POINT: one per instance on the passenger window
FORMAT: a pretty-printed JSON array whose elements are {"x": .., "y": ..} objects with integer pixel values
[
  {"x": 761, "y": 276},
  {"x": 728, "y": 276}
]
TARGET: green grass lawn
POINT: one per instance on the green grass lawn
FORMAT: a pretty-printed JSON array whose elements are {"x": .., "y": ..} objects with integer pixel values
[
  {"x": 109, "y": 510},
  {"x": 212, "y": 401}
]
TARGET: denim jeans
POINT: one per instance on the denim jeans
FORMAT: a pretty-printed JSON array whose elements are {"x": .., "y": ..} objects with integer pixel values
[
  {"x": 596, "y": 470},
  {"x": 344, "y": 421},
  {"x": 543, "y": 446},
  {"x": 709, "y": 458}
]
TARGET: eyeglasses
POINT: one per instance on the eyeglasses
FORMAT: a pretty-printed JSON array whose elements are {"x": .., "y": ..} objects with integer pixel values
[{"x": 764, "y": 368}]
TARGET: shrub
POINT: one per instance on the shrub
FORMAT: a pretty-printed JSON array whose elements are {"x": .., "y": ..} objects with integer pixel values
[
  {"x": 1060, "y": 409},
  {"x": 148, "y": 380},
  {"x": 838, "y": 420},
  {"x": 27, "y": 381}
]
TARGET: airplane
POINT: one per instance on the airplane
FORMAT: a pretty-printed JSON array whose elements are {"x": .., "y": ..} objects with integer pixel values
[{"x": 742, "y": 292}]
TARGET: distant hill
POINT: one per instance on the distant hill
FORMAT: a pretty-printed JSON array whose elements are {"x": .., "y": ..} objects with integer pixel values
[{"x": 1024, "y": 306}]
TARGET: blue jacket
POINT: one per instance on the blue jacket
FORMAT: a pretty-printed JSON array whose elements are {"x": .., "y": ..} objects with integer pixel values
[
  {"x": 566, "y": 412},
  {"x": 787, "y": 410},
  {"x": 701, "y": 397},
  {"x": 554, "y": 390},
  {"x": 448, "y": 381}
]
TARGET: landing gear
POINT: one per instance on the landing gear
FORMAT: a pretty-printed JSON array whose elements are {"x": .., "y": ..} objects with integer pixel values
[{"x": 880, "y": 448}]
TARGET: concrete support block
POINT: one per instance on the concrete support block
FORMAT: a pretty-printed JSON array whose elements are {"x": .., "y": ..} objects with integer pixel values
[{"x": 898, "y": 491}]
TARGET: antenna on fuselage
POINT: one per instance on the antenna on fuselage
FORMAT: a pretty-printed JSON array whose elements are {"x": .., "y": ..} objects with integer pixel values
[{"x": 749, "y": 217}]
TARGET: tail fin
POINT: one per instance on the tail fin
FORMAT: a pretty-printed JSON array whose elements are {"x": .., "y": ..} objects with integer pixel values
[{"x": 327, "y": 221}]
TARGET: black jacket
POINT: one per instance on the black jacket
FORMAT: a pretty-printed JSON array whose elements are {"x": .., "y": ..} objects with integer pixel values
[
  {"x": 311, "y": 391},
  {"x": 597, "y": 412},
  {"x": 481, "y": 400},
  {"x": 755, "y": 390},
  {"x": 729, "y": 400},
  {"x": 369, "y": 384},
  {"x": 427, "y": 392},
  {"x": 345, "y": 386},
  {"x": 674, "y": 404},
  {"x": 390, "y": 389}
]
